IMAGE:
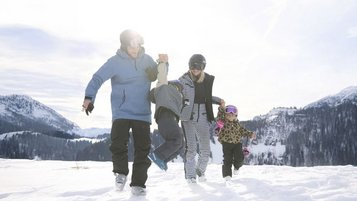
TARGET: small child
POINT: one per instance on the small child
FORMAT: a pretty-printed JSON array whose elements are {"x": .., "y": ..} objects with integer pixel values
[
  {"x": 167, "y": 95},
  {"x": 229, "y": 135}
]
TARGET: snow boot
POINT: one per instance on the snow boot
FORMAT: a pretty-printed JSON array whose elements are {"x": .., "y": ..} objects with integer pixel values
[
  {"x": 138, "y": 190},
  {"x": 235, "y": 171},
  {"x": 120, "y": 180},
  {"x": 160, "y": 163},
  {"x": 228, "y": 180},
  {"x": 201, "y": 176},
  {"x": 191, "y": 180}
]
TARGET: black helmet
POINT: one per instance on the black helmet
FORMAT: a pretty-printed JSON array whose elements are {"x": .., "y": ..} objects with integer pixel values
[
  {"x": 130, "y": 38},
  {"x": 197, "y": 61}
]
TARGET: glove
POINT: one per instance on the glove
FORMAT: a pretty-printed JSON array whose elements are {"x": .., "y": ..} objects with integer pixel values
[
  {"x": 151, "y": 73},
  {"x": 89, "y": 108},
  {"x": 245, "y": 151},
  {"x": 220, "y": 124}
]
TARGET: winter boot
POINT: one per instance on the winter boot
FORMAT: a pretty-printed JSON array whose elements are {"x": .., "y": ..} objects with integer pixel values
[
  {"x": 191, "y": 180},
  {"x": 235, "y": 171},
  {"x": 201, "y": 176},
  {"x": 228, "y": 180},
  {"x": 138, "y": 190},
  {"x": 120, "y": 180}
]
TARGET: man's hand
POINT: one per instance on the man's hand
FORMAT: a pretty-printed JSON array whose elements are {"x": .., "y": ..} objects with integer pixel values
[{"x": 87, "y": 106}]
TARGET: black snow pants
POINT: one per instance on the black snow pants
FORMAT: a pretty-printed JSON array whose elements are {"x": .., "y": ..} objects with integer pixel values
[
  {"x": 232, "y": 155},
  {"x": 119, "y": 148}
]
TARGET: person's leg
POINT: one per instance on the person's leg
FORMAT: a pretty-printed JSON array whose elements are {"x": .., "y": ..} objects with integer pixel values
[
  {"x": 227, "y": 159},
  {"x": 171, "y": 133},
  {"x": 142, "y": 144},
  {"x": 119, "y": 146},
  {"x": 238, "y": 157},
  {"x": 204, "y": 144},
  {"x": 189, "y": 131}
]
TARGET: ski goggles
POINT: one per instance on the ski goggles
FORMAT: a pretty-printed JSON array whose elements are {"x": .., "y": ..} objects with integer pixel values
[
  {"x": 197, "y": 66},
  {"x": 135, "y": 43},
  {"x": 231, "y": 109}
]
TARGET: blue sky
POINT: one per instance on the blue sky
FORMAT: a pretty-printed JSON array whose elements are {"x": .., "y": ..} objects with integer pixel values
[{"x": 264, "y": 54}]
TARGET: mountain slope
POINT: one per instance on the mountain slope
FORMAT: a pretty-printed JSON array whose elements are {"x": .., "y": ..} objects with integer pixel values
[
  {"x": 20, "y": 112},
  {"x": 322, "y": 133},
  {"x": 348, "y": 94}
]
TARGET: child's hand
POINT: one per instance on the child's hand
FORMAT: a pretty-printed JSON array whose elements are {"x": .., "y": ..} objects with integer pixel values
[
  {"x": 253, "y": 136},
  {"x": 163, "y": 58}
]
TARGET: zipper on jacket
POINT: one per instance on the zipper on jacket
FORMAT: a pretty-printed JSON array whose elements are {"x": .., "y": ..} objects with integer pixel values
[{"x": 198, "y": 111}]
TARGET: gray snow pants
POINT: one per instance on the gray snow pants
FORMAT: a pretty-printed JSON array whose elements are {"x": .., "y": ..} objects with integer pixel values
[{"x": 196, "y": 131}]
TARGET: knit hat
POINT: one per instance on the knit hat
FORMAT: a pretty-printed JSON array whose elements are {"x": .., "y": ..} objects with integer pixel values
[{"x": 130, "y": 38}]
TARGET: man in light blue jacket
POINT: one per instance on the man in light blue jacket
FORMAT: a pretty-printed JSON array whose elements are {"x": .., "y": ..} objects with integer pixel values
[{"x": 131, "y": 72}]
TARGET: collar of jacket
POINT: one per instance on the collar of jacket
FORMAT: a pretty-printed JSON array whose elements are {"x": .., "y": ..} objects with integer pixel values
[{"x": 124, "y": 54}]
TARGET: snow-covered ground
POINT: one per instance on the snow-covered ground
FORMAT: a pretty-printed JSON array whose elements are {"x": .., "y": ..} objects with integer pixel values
[{"x": 69, "y": 180}]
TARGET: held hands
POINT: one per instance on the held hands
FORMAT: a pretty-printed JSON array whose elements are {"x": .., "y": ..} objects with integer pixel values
[
  {"x": 87, "y": 106},
  {"x": 163, "y": 58},
  {"x": 222, "y": 104},
  {"x": 253, "y": 136}
]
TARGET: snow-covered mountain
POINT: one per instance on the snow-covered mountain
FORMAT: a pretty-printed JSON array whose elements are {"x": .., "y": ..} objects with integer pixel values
[
  {"x": 312, "y": 135},
  {"x": 347, "y": 94},
  {"x": 21, "y": 112}
]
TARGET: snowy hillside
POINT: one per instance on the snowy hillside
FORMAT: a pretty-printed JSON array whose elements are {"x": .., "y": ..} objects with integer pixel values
[
  {"x": 32, "y": 180},
  {"x": 307, "y": 136},
  {"x": 17, "y": 109},
  {"x": 24, "y": 113},
  {"x": 275, "y": 112},
  {"x": 347, "y": 94}
]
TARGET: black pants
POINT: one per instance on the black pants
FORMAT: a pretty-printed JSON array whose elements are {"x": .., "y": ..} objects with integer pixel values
[
  {"x": 119, "y": 149},
  {"x": 232, "y": 155},
  {"x": 171, "y": 132}
]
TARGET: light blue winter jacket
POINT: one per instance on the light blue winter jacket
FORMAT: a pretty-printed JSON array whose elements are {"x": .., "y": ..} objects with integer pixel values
[{"x": 130, "y": 85}]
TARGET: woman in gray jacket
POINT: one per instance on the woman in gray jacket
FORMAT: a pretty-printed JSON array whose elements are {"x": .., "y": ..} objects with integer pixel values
[{"x": 196, "y": 115}]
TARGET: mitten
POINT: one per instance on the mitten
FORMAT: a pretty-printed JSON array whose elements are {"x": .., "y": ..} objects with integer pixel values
[{"x": 151, "y": 73}]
